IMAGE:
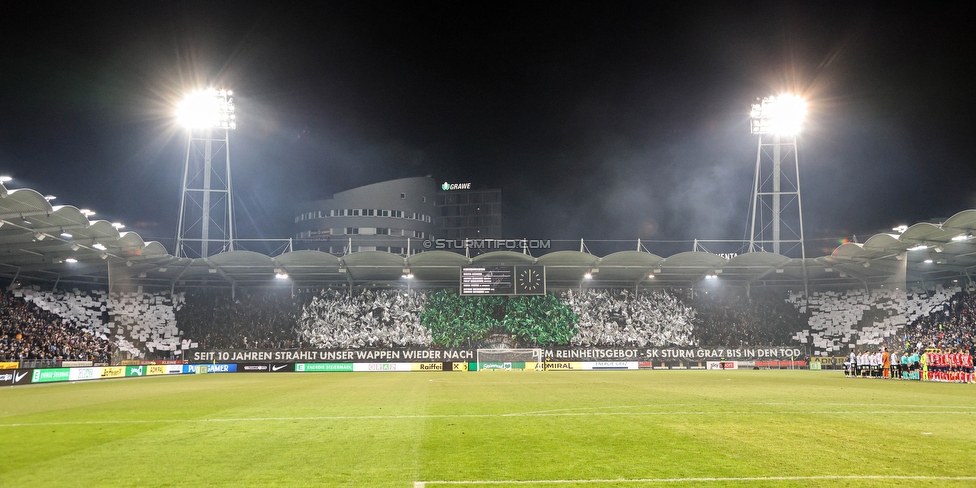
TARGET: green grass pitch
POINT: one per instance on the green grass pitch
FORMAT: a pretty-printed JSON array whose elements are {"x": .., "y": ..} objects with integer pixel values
[{"x": 490, "y": 429}]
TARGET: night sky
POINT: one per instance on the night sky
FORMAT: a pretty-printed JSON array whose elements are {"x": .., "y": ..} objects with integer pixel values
[{"x": 596, "y": 121}]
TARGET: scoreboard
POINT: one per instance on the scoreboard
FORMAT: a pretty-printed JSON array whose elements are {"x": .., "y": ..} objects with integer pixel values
[{"x": 503, "y": 280}]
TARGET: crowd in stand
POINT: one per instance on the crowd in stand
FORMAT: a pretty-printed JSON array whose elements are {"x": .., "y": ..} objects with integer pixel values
[
  {"x": 839, "y": 320},
  {"x": 621, "y": 318},
  {"x": 366, "y": 319},
  {"x": 215, "y": 320},
  {"x": 38, "y": 324},
  {"x": 27, "y": 332},
  {"x": 952, "y": 328},
  {"x": 729, "y": 318}
]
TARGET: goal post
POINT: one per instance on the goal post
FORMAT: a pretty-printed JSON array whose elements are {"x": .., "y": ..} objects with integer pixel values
[{"x": 509, "y": 359}]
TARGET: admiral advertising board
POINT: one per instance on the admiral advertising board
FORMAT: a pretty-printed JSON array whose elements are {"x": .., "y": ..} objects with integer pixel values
[{"x": 157, "y": 369}]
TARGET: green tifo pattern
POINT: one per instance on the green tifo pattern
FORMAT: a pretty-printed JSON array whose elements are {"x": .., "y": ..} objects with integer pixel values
[{"x": 455, "y": 320}]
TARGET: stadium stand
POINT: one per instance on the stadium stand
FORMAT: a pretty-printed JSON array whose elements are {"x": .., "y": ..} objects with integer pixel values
[
  {"x": 728, "y": 318},
  {"x": 135, "y": 323},
  {"x": 336, "y": 320},
  {"x": 215, "y": 320},
  {"x": 839, "y": 321},
  {"x": 950, "y": 327},
  {"x": 623, "y": 318},
  {"x": 28, "y": 332},
  {"x": 92, "y": 324}
]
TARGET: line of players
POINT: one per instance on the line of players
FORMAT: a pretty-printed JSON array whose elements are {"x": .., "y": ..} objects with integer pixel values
[{"x": 947, "y": 367}]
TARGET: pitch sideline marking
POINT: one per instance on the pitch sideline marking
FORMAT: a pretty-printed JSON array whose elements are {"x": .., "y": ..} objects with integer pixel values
[
  {"x": 473, "y": 415},
  {"x": 423, "y": 484},
  {"x": 661, "y": 405}
]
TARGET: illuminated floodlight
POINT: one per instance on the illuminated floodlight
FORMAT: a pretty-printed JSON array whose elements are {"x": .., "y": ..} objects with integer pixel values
[
  {"x": 71, "y": 260},
  {"x": 281, "y": 276},
  {"x": 118, "y": 225},
  {"x": 900, "y": 229},
  {"x": 962, "y": 237},
  {"x": 99, "y": 246},
  {"x": 782, "y": 115},
  {"x": 927, "y": 261},
  {"x": 588, "y": 276},
  {"x": 4, "y": 179},
  {"x": 920, "y": 247},
  {"x": 86, "y": 212},
  {"x": 66, "y": 235},
  {"x": 50, "y": 197},
  {"x": 207, "y": 109}
]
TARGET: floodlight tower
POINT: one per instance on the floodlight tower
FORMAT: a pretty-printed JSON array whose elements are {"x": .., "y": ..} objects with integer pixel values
[
  {"x": 206, "y": 224},
  {"x": 777, "y": 213}
]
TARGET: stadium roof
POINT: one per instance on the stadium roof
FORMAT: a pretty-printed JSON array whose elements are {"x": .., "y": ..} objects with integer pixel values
[{"x": 59, "y": 244}]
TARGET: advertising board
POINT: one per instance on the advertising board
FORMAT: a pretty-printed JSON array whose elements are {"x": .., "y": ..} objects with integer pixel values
[
  {"x": 11, "y": 377},
  {"x": 81, "y": 374},
  {"x": 501, "y": 366},
  {"x": 9, "y": 365},
  {"x": 609, "y": 365},
  {"x": 76, "y": 364},
  {"x": 209, "y": 368},
  {"x": 427, "y": 366},
  {"x": 562, "y": 366},
  {"x": 113, "y": 372},
  {"x": 254, "y": 368},
  {"x": 135, "y": 371},
  {"x": 323, "y": 367},
  {"x": 50, "y": 375},
  {"x": 381, "y": 367},
  {"x": 722, "y": 365},
  {"x": 156, "y": 369}
]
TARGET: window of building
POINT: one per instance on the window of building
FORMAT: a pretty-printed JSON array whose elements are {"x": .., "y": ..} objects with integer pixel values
[
  {"x": 380, "y": 231},
  {"x": 352, "y": 230},
  {"x": 403, "y": 196}
]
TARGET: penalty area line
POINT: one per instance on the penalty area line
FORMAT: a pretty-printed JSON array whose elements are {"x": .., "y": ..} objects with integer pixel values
[{"x": 431, "y": 484}]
